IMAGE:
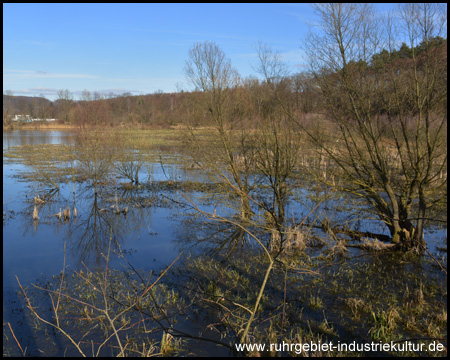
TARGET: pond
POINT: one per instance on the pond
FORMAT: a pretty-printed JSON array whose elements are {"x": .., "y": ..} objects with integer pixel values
[
  {"x": 155, "y": 224},
  {"x": 32, "y": 250}
]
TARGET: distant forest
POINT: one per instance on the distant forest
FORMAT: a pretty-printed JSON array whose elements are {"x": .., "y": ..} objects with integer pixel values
[{"x": 301, "y": 91}]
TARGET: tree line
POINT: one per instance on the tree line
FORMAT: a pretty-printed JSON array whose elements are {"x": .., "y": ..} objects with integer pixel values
[{"x": 301, "y": 91}]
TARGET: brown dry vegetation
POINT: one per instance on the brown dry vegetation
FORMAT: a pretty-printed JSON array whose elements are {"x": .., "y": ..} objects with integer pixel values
[{"x": 370, "y": 118}]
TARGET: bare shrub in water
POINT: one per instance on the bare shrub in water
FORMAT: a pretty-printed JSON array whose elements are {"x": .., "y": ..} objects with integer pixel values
[
  {"x": 101, "y": 303},
  {"x": 96, "y": 152},
  {"x": 389, "y": 110}
]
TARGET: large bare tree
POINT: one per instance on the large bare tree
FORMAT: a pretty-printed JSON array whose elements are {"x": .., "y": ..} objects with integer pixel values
[
  {"x": 391, "y": 144},
  {"x": 211, "y": 73},
  {"x": 388, "y": 107}
]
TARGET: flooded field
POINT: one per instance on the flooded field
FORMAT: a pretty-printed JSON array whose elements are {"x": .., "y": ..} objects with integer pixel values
[{"x": 150, "y": 259}]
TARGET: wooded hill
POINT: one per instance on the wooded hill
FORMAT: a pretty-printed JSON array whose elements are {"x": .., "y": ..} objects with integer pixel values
[{"x": 301, "y": 91}]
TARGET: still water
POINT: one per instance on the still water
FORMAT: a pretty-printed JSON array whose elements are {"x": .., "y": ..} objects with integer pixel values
[
  {"x": 147, "y": 234},
  {"x": 151, "y": 234},
  {"x": 31, "y": 250}
]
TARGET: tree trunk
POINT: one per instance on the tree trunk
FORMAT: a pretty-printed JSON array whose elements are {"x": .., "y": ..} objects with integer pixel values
[{"x": 246, "y": 210}]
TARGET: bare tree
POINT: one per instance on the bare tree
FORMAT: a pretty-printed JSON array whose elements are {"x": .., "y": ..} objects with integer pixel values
[
  {"x": 86, "y": 95},
  {"x": 391, "y": 154},
  {"x": 65, "y": 102},
  {"x": 211, "y": 73},
  {"x": 95, "y": 154},
  {"x": 275, "y": 152},
  {"x": 305, "y": 90},
  {"x": 7, "y": 108}
]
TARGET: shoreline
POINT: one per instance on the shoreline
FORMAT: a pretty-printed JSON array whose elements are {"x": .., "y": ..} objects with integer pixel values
[{"x": 40, "y": 127}]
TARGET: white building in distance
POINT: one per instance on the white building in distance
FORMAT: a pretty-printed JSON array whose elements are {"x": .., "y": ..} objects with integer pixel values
[{"x": 28, "y": 118}]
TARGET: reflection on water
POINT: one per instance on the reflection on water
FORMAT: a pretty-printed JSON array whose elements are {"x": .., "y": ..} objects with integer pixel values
[
  {"x": 33, "y": 249},
  {"x": 36, "y": 137},
  {"x": 150, "y": 228},
  {"x": 148, "y": 225}
]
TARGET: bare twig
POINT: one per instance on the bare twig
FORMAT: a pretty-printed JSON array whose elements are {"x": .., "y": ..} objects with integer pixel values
[
  {"x": 48, "y": 322},
  {"x": 20, "y": 347}
]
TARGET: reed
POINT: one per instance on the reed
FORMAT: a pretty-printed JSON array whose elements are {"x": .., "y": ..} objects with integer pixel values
[
  {"x": 66, "y": 214},
  {"x": 35, "y": 213},
  {"x": 58, "y": 215},
  {"x": 38, "y": 200}
]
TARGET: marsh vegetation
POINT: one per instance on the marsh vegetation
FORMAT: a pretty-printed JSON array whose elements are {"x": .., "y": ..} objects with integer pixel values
[
  {"x": 316, "y": 285},
  {"x": 263, "y": 218}
]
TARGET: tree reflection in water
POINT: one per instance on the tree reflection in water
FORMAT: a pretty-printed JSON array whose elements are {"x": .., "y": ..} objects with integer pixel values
[
  {"x": 209, "y": 236},
  {"x": 90, "y": 236}
]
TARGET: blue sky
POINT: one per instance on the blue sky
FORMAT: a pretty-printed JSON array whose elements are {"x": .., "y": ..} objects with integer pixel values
[{"x": 138, "y": 48}]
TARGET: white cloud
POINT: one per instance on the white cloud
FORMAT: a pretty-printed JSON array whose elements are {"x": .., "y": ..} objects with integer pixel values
[
  {"x": 39, "y": 74},
  {"x": 36, "y": 91},
  {"x": 52, "y": 93},
  {"x": 108, "y": 92}
]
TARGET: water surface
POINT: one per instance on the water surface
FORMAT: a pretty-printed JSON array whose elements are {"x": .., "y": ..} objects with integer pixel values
[{"x": 151, "y": 235}]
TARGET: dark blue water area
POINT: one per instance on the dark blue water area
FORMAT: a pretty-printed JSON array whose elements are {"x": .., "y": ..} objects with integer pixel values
[
  {"x": 160, "y": 223},
  {"x": 150, "y": 237},
  {"x": 34, "y": 250}
]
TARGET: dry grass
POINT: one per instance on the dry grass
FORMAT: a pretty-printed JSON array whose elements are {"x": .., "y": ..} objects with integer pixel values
[
  {"x": 295, "y": 240},
  {"x": 43, "y": 126},
  {"x": 66, "y": 214},
  {"x": 355, "y": 305},
  {"x": 94, "y": 304},
  {"x": 375, "y": 244},
  {"x": 35, "y": 213},
  {"x": 338, "y": 249},
  {"x": 38, "y": 200}
]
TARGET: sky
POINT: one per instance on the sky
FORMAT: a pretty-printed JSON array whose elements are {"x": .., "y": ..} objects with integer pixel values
[{"x": 139, "y": 48}]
